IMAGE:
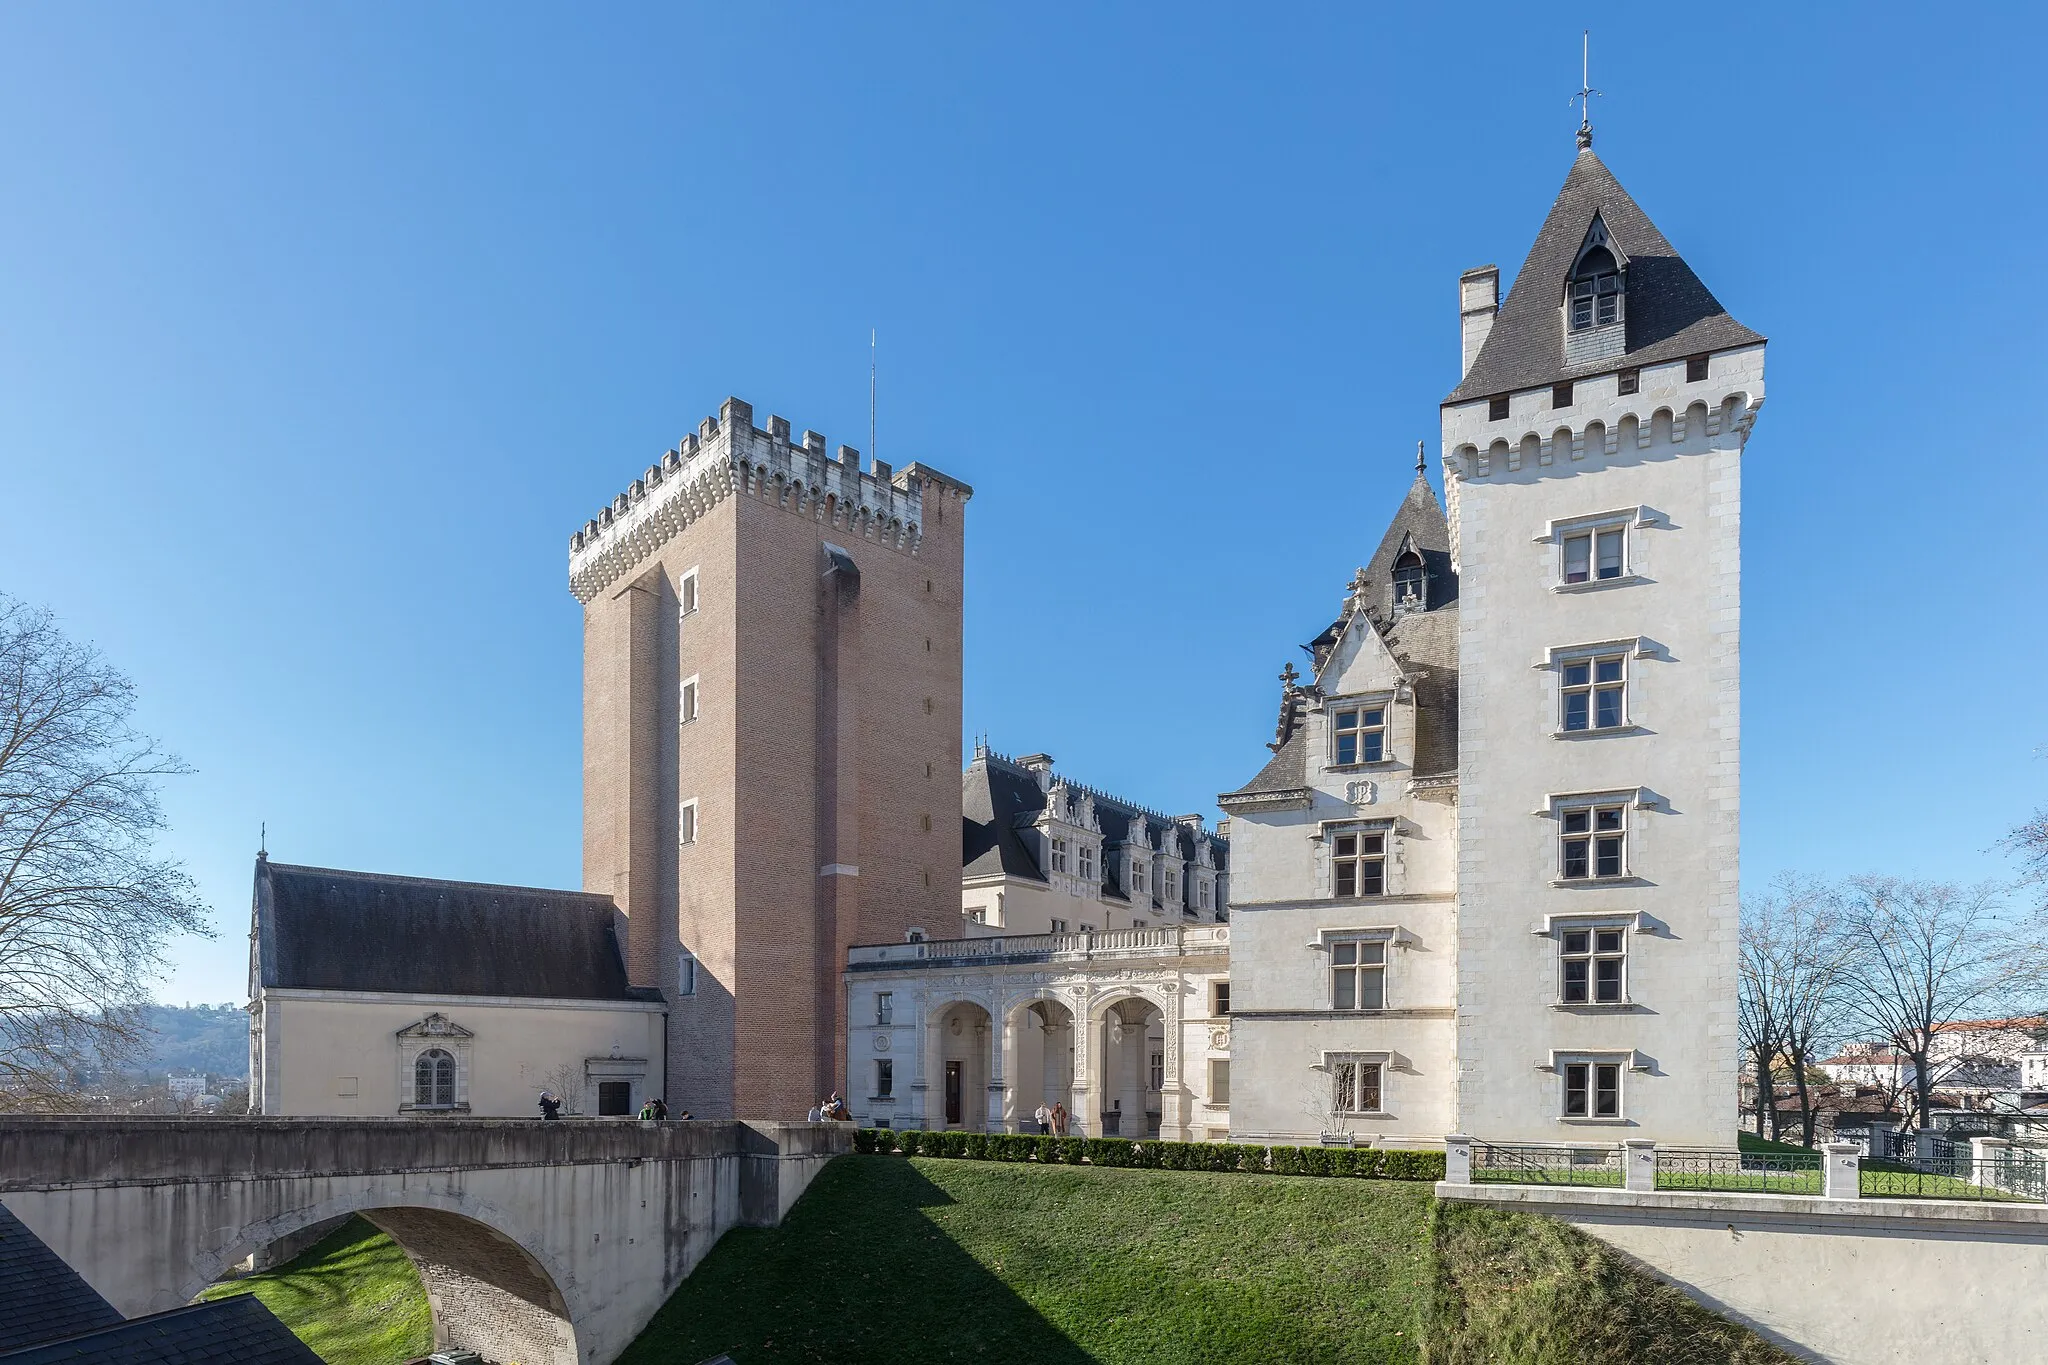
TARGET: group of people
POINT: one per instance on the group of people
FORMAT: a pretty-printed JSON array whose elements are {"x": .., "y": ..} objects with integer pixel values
[
  {"x": 654, "y": 1111},
  {"x": 1051, "y": 1121},
  {"x": 833, "y": 1110}
]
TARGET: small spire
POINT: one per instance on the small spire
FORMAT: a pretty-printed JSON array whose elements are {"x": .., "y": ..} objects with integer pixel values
[
  {"x": 263, "y": 840},
  {"x": 1421, "y": 464},
  {"x": 1586, "y": 91}
]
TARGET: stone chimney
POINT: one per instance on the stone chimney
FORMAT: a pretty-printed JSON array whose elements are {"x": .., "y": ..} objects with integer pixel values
[
  {"x": 1478, "y": 302},
  {"x": 1039, "y": 766}
]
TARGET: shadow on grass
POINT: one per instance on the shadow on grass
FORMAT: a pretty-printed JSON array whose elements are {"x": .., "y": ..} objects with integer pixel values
[
  {"x": 857, "y": 1273},
  {"x": 353, "y": 1297}
]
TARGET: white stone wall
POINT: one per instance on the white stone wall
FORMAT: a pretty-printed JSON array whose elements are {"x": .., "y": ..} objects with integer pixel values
[
  {"x": 1670, "y": 457},
  {"x": 1284, "y": 1028}
]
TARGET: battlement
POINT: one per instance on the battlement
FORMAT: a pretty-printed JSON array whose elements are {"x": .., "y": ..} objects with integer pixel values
[{"x": 728, "y": 455}]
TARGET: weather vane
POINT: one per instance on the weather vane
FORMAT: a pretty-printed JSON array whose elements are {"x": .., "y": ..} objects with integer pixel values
[{"x": 1586, "y": 90}]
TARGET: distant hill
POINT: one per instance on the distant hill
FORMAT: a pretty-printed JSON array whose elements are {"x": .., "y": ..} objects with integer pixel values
[{"x": 189, "y": 1038}]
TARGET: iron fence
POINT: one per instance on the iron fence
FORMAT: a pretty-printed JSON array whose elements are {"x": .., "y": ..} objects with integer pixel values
[
  {"x": 1531, "y": 1165},
  {"x": 2006, "y": 1176},
  {"x": 1731, "y": 1171}
]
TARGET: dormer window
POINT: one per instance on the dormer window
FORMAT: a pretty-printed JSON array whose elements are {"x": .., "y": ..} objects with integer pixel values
[
  {"x": 1408, "y": 595},
  {"x": 1595, "y": 299},
  {"x": 1596, "y": 290}
]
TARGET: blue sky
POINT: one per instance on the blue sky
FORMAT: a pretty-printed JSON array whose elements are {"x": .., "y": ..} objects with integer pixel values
[{"x": 322, "y": 328}]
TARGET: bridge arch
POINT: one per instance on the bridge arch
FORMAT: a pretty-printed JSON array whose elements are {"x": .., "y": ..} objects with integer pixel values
[{"x": 492, "y": 1286}]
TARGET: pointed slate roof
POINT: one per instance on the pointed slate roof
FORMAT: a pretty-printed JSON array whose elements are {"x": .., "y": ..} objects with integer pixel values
[
  {"x": 231, "y": 1331},
  {"x": 1671, "y": 314}
]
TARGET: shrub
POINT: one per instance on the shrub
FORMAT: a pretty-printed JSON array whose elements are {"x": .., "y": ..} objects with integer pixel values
[
  {"x": 1109, "y": 1151},
  {"x": 1396, "y": 1164},
  {"x": 1042, "y": 1148},
  {"x": 1287, "y": 1161},
  {"x": 907, "y": 1141},
  {"x": 1071, "y": 1150},
  {"x": 865, "y": 1140},
  {"x": 977, "y": 1146}
]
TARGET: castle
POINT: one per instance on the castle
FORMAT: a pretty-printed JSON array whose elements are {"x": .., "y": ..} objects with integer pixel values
[{"x": 1484, "y": 881}]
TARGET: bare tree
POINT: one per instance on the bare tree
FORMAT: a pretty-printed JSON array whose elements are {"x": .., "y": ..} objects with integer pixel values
[
  {"x": 1924, "y": 954},
  {"x": 86, "y": 907},
  {"x": 1756, "y": 1019},
  {"x": 1797, "y": 958}
]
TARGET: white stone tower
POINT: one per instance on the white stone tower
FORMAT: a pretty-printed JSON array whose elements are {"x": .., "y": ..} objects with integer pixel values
[{"x": 1592, "y": 459}]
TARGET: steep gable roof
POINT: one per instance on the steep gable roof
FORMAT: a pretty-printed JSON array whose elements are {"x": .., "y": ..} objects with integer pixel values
[
  {"x": 233, "y": 1331},
  {"x": 40, "y": 1296},
  {"x": 321, "y": 928},
  {"x": 992, "y": 796},
  {"x": 1670, "y": 313}
]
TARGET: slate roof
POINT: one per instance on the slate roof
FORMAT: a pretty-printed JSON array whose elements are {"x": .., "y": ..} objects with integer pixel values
[
  {"x": 231, "y": 1331},
  {"x": 327, "y": 929},
  {"x": 1670, "y": 313},
  {"x": 1000, "y": 800},
  {"x": 40, "y": 1296}
]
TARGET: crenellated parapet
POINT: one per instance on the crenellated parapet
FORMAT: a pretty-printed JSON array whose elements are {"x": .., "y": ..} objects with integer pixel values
[{"x": 729, "y": 456}]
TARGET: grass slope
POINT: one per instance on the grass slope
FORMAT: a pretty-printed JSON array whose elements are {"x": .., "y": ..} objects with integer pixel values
[
  {"x": 1511, "y": 1289},
  {"x": 904, "y": 1260},
  {"x": 354, "y": 1298}
]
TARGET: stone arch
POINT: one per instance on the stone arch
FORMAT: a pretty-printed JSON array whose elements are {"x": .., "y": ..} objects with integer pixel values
[
  {"x": 960, "y": 1061},
  {"x": 1041, "y": 1032},
  {"x": 493, "y": 1287},
  {"x": 1122, "y": 1024}
]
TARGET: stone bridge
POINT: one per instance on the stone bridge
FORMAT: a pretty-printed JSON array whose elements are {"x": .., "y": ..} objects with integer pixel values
[{"x": 541, "y": 1243}]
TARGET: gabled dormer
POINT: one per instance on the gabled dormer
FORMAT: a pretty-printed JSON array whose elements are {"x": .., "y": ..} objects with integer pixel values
[{"x": 1595, "y": 306}]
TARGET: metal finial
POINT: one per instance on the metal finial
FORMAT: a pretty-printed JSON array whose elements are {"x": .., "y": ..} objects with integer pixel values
[
  {"x": 263, "y": 840},
  {"x": 1586, "y": 90},
  {"x": 1421, "y": 464}
]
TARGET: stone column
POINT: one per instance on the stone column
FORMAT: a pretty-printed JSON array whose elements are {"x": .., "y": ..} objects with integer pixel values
[
  {"x": 1923, "y": 1148},
  {"x": 1639, "y": 1165},
  {"x": 1841, "y": 1171},
  {"x": 1987, "y": 1157},
  {"x": 1457, "y": 1159},
  {"x": 1002, "y": 1086}
]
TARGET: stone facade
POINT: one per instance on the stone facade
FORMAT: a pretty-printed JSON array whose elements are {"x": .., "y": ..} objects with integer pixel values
[
  {"x": 1544, "y": 950},
  {"x": 771, "y": 738}
]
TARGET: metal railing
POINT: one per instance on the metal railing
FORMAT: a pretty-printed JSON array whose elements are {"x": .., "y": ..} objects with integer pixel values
[
  {"x": 1175, "y": 940},
  {"x": 1533, "y": 1165},
  {"x": 1737, "y": 1172},
  {"x": 2005, "y": 1176}
]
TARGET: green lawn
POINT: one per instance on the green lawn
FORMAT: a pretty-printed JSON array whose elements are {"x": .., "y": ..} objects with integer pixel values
[
  {"x": 354, "y": 1298},
  {"x": 911, "y": 1260}
]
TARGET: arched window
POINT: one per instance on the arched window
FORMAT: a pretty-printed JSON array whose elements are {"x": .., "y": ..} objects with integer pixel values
[
  {"x": 433, "y": 1078},
  {"x": 1596, "y": 287},
  {"x": 1408, "y": 581}
]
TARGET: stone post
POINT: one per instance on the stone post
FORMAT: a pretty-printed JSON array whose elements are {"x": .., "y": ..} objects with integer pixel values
[
  {"x": 1639, "y": 1165},
  {"x": 1987, "y": 1159},
  {"x": 1923, "y": 1148},
  {"x": 1841, "y": 1171},
  {"x": 1457, "y": 1159}
]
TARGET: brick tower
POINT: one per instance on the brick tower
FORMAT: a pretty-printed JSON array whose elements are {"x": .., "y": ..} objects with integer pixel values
[{"x": 771, "y": 741}]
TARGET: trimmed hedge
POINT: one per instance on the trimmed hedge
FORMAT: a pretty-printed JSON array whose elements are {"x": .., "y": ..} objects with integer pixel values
[{"x": 1369, "y": 1163}]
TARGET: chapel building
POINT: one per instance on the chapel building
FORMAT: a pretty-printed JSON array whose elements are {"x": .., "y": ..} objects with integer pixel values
[{"x": 1487, "y": 881}]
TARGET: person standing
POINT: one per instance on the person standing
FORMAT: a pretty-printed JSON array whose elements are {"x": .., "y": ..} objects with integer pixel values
[
  {"x": 1042, "y": 1116},
  {"x": 1059, "y": 1118},
  {"x": 660, "y": 1109},
  {"x": 647, "y": 1111},
  {"x": 550, "y": 1107}
]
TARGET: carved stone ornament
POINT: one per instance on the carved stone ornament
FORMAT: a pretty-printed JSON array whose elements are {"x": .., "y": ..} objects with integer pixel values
[
  {"x": 435, "y": 1026},
  {"x": 1362, "y": 793},
  {"x": 1219, "y": 1037},
  {"x": 881, "y": 1042}
]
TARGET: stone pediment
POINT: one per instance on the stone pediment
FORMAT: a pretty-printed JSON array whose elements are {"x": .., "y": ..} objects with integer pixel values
[{"x": 435, "y": 1026}]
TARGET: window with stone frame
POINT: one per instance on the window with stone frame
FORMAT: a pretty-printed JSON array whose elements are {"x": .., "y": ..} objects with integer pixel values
[
  {"x": 1138, "y": 862},
  {"x": 1156, "y": 1073},
  {"x": 686, "y": 822},
  {"x": 433, "y": 1079},
  {"x": 1358, "y": 974},
  {"x": 686, "y": 593},
  {"x": 1084, "y": 856},
  {"x": 1592, "y": 964},
  {"x": 1592, "y": 1089},
  {"x": 688, "y": 705},
  {"x": 1059, "y": 926},
  {"x": 1171, "y": 890},
  {"x": 1408, "y": 582},
  {"x": 686, "y": 973},
  {"x": 1593, "y": 554},
  {"x": 1358, "y": 863},
  {"x": 1358, "y": 734},
  {"x": 1592, "y": 841},
  {"x": 1059, "y": 855},
  {"x": 1594, "y": 692},
  {"x": 885, "y": 1078},
  {"x": 1356, "y": 1086}
]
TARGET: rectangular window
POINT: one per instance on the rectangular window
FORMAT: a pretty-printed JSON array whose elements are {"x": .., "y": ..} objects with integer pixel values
[
  {"x": 1592, "y": 843},
  {"x": 686, "y": 973},
  {"x": 1592, "y": 1090},
  {"x": 1059, "y": 926},
  {"x": 1695, "y": 369},
  {"x": 885, "y": 1078},
  {"x": 689, "y": 706},
  {"x": 1628, "y": 381},
  {"x": 1137, "y": 924},
  {"x": 1219, "y": 1081},
  {"x": 1360, "y": 734},
  {"x": 1595, "y": 553},
  {"x": 1497, "y": 408},
  {"x": 1594, "y": 693},
  {"x": 1202, "y": 894},
  {"x": 1358, "y": 974},
  {"x": 1059, "y": 855},
  {"x": 1561, "y": 395},
  {"x": 1593, "y": 963},
  {"x": 1137, "y": 874},
  {"x": 885, "y": 1007},
  {"x": 686, "y": 824},
  {"x": 977, "y": 914},
  {"x": 1357, "y": 1086},
  {"x": 1085, "y": 855},
  {"x": 686, "y": 592},
  {"x": 1087, "y": 928},
  {"x": 1219, "y": 997},
  {"x": 1172, "y": 886},
  {"x": 1157, "y": 1072},
  {"x": 1360, "y": 864}
]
